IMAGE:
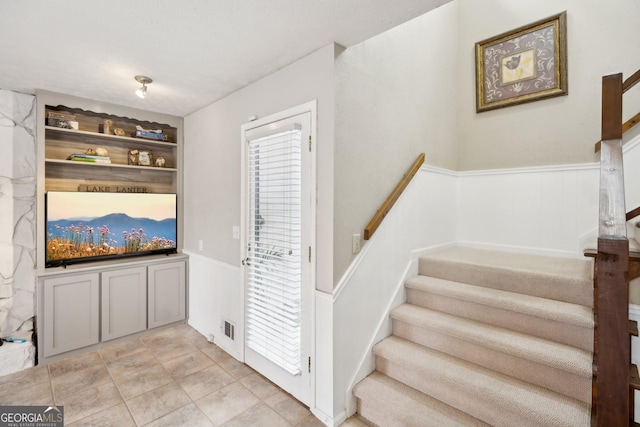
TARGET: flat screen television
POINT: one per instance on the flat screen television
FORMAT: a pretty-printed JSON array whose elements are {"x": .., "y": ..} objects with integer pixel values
[{"x": 86, "y": 226}]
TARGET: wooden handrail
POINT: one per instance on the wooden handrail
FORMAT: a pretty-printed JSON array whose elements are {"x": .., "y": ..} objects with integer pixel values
[
  {"x": 393, "y": 197},
  {"x": 631, "y": 81},
  {"x": 632, "y": 214},
  {"x": 625, "y": 127}
]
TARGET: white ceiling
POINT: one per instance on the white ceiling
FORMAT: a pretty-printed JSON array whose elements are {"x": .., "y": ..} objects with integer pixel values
[{"x": 196, "y": 51}]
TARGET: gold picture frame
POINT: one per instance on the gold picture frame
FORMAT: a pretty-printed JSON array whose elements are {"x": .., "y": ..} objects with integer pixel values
[{"x": 523, "y": 65}]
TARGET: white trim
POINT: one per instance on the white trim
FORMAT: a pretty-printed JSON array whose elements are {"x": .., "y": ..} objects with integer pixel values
[
  {"x": 355, "y": 264},
  {"x": 631, "y": 144},
  {"x": 521, "y": 249},
  {"x": 310, "y": 107},
  {"x": 353, "y": 267},
  {"x": 634, "y": 312},
  {"x": 438, "y": 170},
  {"x": 530, "y": 169},
  {"x": 212, "y": 261},
  {"x": 358, "y": 375},
  {"x": 420, "y": 252}
]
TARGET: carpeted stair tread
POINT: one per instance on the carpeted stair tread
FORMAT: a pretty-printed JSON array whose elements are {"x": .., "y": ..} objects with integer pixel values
[
  {"x": 560, "y": 311},
  {"x": 537, "y": 350},
  {"x": 562, "y": 279},
  {"x": 387, "y": 402},
  {"x": 484, "y": 394}
]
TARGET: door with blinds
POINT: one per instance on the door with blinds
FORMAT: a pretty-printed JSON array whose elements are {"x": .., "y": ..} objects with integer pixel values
[{"x": 278, "y": 252}]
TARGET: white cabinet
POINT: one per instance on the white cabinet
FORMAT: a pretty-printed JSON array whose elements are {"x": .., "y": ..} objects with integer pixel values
[
  {"x": 167, "y": 296},
  {"x": 124, "y": 302},
  {"x": 90, "y": 305},
  {"x": 71, "y": 312}
]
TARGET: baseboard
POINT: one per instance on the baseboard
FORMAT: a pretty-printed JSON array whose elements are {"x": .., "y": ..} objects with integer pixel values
[
  {"x": 521, "y": 249},
  {"x": 383, "y": 330}
]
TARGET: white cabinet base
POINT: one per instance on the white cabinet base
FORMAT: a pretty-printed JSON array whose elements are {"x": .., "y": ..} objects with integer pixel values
[{"x": 85, "y": 306}]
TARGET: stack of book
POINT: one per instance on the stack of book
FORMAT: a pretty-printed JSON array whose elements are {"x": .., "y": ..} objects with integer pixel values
[{"x": 89, "y": 158}]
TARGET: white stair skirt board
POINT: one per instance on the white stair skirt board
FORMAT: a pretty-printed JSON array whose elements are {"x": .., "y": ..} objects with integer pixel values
[{"x": 487, "y": 338}]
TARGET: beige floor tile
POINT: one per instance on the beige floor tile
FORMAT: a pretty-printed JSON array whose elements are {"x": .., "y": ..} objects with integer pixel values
[
  {"x": 205, "y": 382},
  {"x": 259, "y": 385},
  {"x": 310, "y": 421},
  {"x": 117, "y": 416},
  {"x": 189, "y": 415},
  {"x": 75, "y": 381},
  {"x": 354, "y": 421},
  {"x": 235, "y": 368},
  {"x": 199, "y": 340},
  {"x": 171, "y": 349},
  {"x": 131, "y": 364},
  {"x": 292, "y": 410},
  {"x": 29, "y": 376},
  {"x": 121, "y": 349},
  {"x": 157, "y": 403},
  {"x": 89, "y": 402},
  {"x": 187, "y": 364},
  {"x": 216, "y": 353},
  {"x": 258, "y": 415},
  {"x": 77, "y": 363},
  {"x": 227, "y": 403},
  {"x": 142, "y": 381},
  {"x": 163, "y": 336},
  {"x": 31, "y": 394}
]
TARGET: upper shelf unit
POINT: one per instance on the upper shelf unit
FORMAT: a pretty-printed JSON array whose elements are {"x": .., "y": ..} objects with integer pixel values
[{"x": 84, "y": 149}]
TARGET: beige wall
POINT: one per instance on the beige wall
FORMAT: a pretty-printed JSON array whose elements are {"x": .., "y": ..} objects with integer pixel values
[
  {"x": 212, "y": 158},
  {"x": 603, "y": 38},
  {"x": 395, "y": 98}
]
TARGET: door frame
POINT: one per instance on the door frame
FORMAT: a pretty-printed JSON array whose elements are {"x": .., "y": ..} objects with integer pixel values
[{"x": 308, "y": 107}]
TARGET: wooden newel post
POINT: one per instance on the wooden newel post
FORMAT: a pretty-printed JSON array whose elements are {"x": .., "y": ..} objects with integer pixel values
[
  {"x": 612, "y": 107},
  {"x": 612, "y": 263},
  {"x": 612, "y": 333}
]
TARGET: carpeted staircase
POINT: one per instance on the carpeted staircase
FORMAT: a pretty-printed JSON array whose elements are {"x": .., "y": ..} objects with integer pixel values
[{"x": 486, "y": 338}]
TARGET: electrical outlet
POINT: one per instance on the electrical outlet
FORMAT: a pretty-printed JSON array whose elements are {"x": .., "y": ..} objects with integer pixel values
[
  {"x": 236, "y": 232},
  {"x": 200, "y": 245},
  {"x": 355, "y": 243}
]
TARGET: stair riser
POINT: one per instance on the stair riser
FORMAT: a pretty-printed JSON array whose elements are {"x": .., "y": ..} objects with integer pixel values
[
  {"x": 456, "y": 395},
  {"x": 388, "y": 402},
  {"x": 564, "y": 333},
  {"x": 370, "y": 411},
  {"x": 527, "y": 283},
  {"x": 562, "y": 382}
]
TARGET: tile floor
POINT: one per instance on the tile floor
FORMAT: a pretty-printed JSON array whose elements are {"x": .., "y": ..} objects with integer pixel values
[{"x": 173, "y": 377}]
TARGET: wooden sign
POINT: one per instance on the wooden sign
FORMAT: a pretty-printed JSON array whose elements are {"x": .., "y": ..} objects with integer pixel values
[{"x": 110, "y": 188}]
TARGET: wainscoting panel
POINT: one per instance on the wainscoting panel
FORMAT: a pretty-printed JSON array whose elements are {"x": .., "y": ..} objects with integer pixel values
[
  {"x": 215, "y": 296},
  {"x": 373, "y": 285},
  {"x": 544, "y": 210}
]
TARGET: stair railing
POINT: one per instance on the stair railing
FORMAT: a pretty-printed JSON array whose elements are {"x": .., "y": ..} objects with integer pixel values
[
  {"x": 628, "y": 84},
  {"x": 612, "y": 348},
  {"x": 393, "y": 197}
]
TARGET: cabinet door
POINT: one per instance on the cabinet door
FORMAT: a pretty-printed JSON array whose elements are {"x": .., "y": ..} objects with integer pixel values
[
  {"x": 167, "y": 293},
  {"x": 71, "y": 313},
  {"x": 124, "y": 302}
]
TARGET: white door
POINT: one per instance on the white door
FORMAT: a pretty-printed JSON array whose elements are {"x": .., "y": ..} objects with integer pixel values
[{"x": 278, "y": 273}]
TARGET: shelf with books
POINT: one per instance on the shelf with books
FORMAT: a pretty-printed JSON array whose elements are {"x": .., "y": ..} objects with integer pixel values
[
  {"x": 107, "y": 165},
  {"x": 101, "y": 138}
]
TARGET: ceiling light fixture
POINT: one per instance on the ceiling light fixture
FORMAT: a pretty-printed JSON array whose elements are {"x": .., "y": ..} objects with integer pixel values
[{"x": 142, "y": 92}]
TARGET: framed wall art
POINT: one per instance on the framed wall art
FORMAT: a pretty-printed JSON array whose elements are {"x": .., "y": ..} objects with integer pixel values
[{"x": 523, "y": 65}]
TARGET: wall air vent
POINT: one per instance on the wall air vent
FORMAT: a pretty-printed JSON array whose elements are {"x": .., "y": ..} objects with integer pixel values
[{"x": 229, "y": 330}]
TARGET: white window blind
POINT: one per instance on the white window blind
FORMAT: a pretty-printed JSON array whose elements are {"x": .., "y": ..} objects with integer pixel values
[{"x": 274, "y": 248}]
